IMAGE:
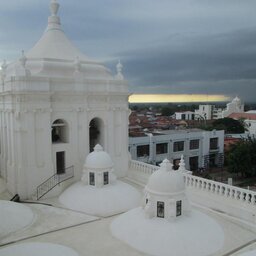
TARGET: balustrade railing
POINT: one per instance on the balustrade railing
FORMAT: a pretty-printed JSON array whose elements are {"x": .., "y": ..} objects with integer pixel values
[
  {"x": 221, "y": 189},
  {"x": 143, "y": 167},
  {"x": 210, "y": 186},
  {"x": 53, "y": 181}
]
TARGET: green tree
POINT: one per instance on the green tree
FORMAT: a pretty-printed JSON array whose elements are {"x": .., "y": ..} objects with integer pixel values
[
  {"x": 230, "y": 125},
  {"x": 242, "y": 158},
  {"x": 167, "y": 111}
]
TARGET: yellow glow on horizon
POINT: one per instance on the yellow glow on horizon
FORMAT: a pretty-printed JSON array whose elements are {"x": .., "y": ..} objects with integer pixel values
[{"x": 165, "y": 98}]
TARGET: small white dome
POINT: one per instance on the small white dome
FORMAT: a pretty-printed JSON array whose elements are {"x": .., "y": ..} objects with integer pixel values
[
  {"x": 98, "y": 159},
  {"x": 166, "y": 180}
]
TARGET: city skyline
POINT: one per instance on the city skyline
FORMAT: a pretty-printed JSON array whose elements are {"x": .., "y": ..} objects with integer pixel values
[{"x": 190, "y": 47}]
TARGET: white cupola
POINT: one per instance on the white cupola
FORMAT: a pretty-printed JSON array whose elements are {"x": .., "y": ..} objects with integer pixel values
[
  {"x": 98, "y": 168},
  {"x": 165, "y": 194}
]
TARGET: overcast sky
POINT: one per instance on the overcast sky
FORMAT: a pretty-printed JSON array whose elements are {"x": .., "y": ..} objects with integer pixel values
[{"x": 166, "y": 46}]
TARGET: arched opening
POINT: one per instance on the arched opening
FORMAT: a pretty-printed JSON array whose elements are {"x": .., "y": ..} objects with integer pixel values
[
  {"x": 160, "y": 209},
  {"x": 178, "y": 208},
  {"x": 96, "y": 133},
  {"x": 59, "y": 131}
]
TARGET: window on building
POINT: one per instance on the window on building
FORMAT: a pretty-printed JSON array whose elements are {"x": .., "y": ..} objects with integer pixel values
[
  {"x": 142, "y": 150},
  {"x": 146, "y": 200},
  {"x": 178, "y": 208},
  {"x": 160, "y": 209},
  {"x": 214, "y": 143},
  {"x": 176, "y": 164},
  {"x": 178, "y": 146},
  {"x": 161, "y": 148},
  {"x": 194, "y": 144},
  {"x": 183, "y": 116},
  {"x": 193, "y": 163},
  {"x": 59, "y": 131},
  {"x": 106, "y": 180},
  {"x": 92, "y": 178}
]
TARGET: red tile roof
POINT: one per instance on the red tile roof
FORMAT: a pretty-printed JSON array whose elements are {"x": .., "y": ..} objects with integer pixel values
[{"x": 248, "y": 116}]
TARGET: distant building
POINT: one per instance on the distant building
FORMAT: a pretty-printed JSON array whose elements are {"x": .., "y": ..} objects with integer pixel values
[
  {"x": 201, "y": 149},
  {"x": 186, "y": 115},
  {"x": 208, "y": 112},
  {"x": 204, "y": 112},
  {"x": 249, "y": 119},
  {"x": 235, "y": 106}
]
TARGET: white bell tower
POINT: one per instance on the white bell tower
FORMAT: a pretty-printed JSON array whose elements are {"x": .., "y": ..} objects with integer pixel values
[{"x": 56, "y": 104}]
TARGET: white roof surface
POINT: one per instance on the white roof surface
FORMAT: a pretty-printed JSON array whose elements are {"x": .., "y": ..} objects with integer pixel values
[
  {"x": 195, "y": 235},
  {"x": 37, "y": 249},
  {"x": 92, "y": 236},
  {"x": 14, "y": 217},
  {"x": 106, "y": 201},
  {"x": 249, "y": 253}
]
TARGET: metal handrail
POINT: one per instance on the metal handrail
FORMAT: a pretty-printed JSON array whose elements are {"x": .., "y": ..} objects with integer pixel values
[{"x": 53, "y": 181}]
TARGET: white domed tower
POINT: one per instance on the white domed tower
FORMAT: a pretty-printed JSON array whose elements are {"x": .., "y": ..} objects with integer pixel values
[
  {"x": 56, "y": 104},
  {"x": 98, "y": 168},
  {"x": 165, "y": 194},
  {"x": 235, "y": 106}
]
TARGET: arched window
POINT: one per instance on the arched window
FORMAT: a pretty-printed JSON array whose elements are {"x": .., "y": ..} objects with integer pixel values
[
  {"x": 92, "y": 178},
  {"x": 106, "y": 178},
  {"x": 178, "y": 208},
  {"x": 160, "y": 209},
  {"x": 59, "y": 131},
  {"x": 96, "y": 133}
]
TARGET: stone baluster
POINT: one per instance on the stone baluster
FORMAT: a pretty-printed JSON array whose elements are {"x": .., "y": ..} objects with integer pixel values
[
  {"x": 248, "y": 198},
  {"x": 241, "y": 196}
]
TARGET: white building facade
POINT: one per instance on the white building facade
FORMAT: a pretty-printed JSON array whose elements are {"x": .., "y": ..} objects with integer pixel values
[
  {"x": 56, "y": 104},
  {"x": 201, "y": 149},
  {"x": 186, "y": 115}
]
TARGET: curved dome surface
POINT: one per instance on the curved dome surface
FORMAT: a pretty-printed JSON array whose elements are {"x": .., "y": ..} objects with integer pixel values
[
  {"x": 37, "y": 249},
  {"x": 165, "y": 180},
  {"x": 14, "y": 217},
  {"x": 98, "y": 159}
]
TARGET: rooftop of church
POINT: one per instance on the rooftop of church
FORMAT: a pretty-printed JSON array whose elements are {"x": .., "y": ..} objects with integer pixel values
[{"x": 90, "y": 235}]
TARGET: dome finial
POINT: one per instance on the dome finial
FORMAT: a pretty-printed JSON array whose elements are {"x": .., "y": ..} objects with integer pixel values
[
  {"x": 166, "y": 165},
  {"x": 182, "y": 166},
  {"x": 54, "y": 7},
  {"x": 4, "y": 65},
  {"x": 98, "y": 148},
  {"x": 119, "y": 68},
  {"x": 23, "y": 59}
]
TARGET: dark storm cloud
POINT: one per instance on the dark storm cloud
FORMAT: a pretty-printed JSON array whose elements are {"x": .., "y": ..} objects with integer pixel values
[
  {"x": 167, "y": 46},
  {"x": 217, "y": 63}
]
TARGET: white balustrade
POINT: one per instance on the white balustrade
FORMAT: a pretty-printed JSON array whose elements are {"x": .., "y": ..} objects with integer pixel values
[
  {"x": 221, "y": 189},
  {"x": 143, "y": 167},
  {"x": 209, "y": 186}
]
